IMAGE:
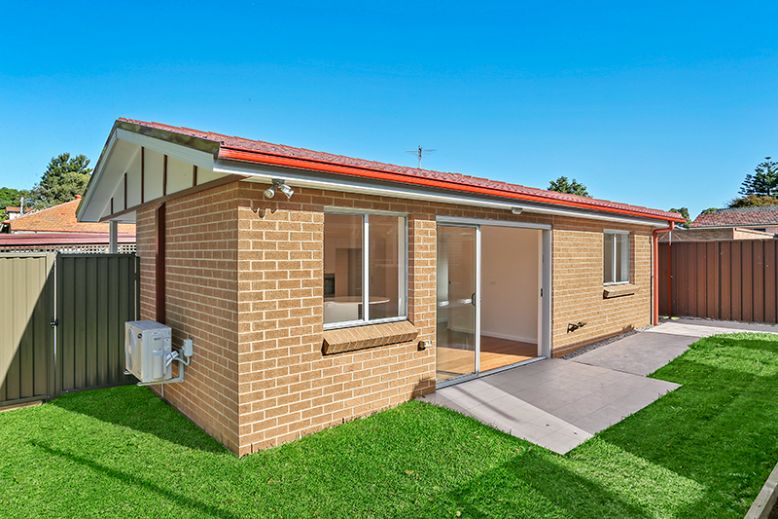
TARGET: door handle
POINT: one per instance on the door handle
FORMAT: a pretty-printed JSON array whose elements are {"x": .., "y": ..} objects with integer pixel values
[{"x": 472, "y": 299}]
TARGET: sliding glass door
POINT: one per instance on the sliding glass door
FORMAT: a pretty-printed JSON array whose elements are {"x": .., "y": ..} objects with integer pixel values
[{"x": 458, "y": 279}]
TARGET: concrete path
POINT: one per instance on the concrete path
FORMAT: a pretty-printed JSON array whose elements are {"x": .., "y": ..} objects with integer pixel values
[
  {"x": 706, "y": 328},
  {"x": 639, "y": 354},
  {"x": 559, "y": 404},
  {"x": 645, "y": 352}
]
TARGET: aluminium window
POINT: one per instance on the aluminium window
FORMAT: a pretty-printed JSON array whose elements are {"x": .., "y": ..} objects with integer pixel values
[
  {"x": 616, "y": 257},
  {"x": 365, "y": 268}
]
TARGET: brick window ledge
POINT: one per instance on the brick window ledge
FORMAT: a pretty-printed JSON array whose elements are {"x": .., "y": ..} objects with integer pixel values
[
  {"x": 369, "y": 336},
  {"x": 626, "y": 289}
]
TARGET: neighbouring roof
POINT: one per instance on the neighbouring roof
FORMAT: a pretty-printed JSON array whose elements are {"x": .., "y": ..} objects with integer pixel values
[
  {"x": 762, "y": 216},
  {"x": 61, "y": 219},
  {"x": 12, "y": 209},
  {"x": 260, "y": 152}
]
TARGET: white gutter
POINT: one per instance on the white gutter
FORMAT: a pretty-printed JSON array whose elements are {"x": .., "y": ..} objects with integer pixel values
[{"x": 294, "y": 178}]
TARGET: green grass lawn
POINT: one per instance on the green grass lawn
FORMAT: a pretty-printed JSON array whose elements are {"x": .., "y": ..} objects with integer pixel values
[{"x": 702, "y": 451}]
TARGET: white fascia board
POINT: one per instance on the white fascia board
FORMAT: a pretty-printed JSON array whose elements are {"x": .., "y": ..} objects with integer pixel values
[
  {"x": 84, "y": 207},
  {"x": 259, "y": 173}
]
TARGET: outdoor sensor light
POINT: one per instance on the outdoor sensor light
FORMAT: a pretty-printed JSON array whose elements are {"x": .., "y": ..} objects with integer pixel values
[{"x": 279, "y": 185}]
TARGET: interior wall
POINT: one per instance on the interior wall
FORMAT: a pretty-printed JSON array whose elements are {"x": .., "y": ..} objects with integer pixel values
[{"x": 510, "y": 288}]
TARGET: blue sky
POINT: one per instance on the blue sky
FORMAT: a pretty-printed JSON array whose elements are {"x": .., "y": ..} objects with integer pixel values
[{"x": 663, "y": 105}]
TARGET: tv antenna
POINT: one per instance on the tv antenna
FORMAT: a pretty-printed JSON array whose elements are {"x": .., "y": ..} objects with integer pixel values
[{"x": 420, "y": 152}]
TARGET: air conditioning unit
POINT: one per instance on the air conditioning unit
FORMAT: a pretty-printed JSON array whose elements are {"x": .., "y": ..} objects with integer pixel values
[{"x": 148, "y": 351}]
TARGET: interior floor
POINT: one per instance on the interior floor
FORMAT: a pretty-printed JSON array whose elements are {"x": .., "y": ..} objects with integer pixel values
[{"x": 455, "y": 353}]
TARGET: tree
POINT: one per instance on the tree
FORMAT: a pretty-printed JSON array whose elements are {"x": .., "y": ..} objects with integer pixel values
[
  {"x": 10, "y": 197},
  {"x": 764, "y": 181},
  {"x": 709, "y": 210},
  {"x": 64, "y": 178},
  {"x": 753, "y": 201},
  {"x": 565, "y": 185},
  {"x": 683, "y": 211}
]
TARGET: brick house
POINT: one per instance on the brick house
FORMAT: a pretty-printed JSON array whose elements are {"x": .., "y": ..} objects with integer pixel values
[
  {"x": 319, "y": 288},
  {"x": 56, "y": 228},
  {"x": 732, "y": 223}
]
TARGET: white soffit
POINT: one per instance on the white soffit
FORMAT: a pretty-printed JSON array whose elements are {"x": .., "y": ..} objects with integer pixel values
[{"x": 186, "y": 168}]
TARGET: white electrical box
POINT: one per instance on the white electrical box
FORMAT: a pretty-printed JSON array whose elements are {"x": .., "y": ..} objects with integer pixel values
[{"x": 147, "y": 350}]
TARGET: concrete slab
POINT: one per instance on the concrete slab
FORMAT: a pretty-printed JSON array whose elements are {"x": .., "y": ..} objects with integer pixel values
[
  {"x": 639, "y": 354},
  {"x": 561, "y": 403},
  {"x": 555, "y": 403}
]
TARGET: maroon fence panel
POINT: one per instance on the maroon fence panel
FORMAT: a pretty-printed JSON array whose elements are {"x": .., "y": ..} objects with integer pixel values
[{"x": 729, "y": 280}]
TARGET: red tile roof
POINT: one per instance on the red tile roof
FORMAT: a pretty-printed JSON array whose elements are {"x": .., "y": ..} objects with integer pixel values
[
  {"x": 12, "y": 209},
  {"x": 739, "y": 217},
  {"x": 61, "y": 219},
  {"x": 238, "y": 148}
]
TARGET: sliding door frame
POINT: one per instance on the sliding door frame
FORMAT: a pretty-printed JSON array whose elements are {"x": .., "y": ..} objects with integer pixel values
[{"x": 545, "y": 296}]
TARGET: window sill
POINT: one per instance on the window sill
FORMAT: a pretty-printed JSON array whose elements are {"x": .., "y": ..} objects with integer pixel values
[
  {"x": 619, "y": 290},
  {"x": 342, "y": 340}
]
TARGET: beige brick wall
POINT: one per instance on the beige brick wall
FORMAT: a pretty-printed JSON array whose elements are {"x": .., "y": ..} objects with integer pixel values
[
  {"x": 201, "y": 302},
  {"x": 288, "y": 388},
  {"x": 245, "y": 281},
  {"x": 577, "y": 250}
]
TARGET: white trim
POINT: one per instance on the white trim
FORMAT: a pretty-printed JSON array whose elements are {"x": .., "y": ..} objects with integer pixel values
[
  {"x": 259, "y": 173},
  {"x": 490, "y": 223},
  {"x": 402, "y": 271},
  {"x": 544, "y": 324},
  {"x": 96, "y": 175},
  {"x": 477, "y": 299},
  {"x": 334, "y": 209},
  {"x": 113, "y": 237},
  {"x": 626, "y": 256},
  {"x": 200, "y": 158},
  {"x": 366, "y": 267},
  {"x": 357, "y": 323},
  {"x": 545, "y": 337}
]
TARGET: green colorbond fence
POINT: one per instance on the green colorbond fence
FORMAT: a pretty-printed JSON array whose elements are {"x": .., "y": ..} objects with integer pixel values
[{"x": 62, "y": 322}]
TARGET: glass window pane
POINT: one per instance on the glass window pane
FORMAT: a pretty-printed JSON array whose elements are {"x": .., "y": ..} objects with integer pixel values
[
  {"x": 342, "y": 268},
  {"x": 607, "y": 270},
  {"x": 622, "y": 257},
  {"x": 387, "y": 266}
]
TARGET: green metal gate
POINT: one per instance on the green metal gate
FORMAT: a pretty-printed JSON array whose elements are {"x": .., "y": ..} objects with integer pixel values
[
  {"x": 26, "y": 333},
  {"x": 62, "y": 322}
]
